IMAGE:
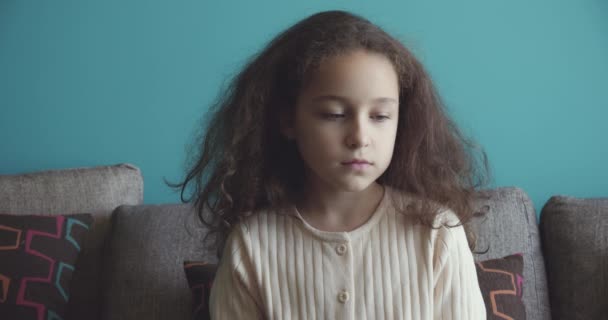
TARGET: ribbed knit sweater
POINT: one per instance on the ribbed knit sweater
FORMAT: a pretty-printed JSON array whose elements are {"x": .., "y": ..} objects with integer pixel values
[{"x": 277, "y": 266}]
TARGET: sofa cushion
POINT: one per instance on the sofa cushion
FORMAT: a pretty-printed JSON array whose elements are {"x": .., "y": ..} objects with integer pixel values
[
  {"x": 510, "y": 226},
  {"x": 575, "y": 242},
  {"x": 38, "y": 255},
  {"x": 501, "y": 284},
  {"x": 96, "y": 190},
  {"x": 144, "y": 262}
]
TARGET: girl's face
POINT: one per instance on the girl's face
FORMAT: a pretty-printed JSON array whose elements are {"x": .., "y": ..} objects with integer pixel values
[{"x": 348, "y": 112}]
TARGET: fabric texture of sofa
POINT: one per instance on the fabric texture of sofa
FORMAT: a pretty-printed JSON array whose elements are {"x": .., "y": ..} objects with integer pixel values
[{"x": 131, "y": 266}]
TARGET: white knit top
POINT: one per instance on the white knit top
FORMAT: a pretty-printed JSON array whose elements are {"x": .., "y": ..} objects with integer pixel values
[{"x": 277, "y": 266}]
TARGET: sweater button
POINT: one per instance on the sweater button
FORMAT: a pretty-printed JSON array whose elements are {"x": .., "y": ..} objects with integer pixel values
[
  {"x": 343, "y": 296},
  {"x": 341, "y": 249}
]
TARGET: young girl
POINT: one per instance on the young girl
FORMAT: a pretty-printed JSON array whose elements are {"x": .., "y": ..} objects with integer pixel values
[{"x": 336, "y": 185}]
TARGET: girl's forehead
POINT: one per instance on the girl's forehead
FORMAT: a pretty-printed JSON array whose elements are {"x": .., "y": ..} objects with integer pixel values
[
  {"x": 378, "y": 100},
  {"x": 360, "y": 74}
]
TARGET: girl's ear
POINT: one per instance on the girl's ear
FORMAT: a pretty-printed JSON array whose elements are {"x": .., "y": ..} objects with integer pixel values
[{"x": 286, "y": 124}]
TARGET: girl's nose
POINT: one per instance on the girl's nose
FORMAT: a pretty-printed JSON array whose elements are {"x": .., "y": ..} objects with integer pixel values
[{"x": 357, "y": 136}]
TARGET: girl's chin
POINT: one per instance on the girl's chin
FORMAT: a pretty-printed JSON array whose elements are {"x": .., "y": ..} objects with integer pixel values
[
  {"x": 356, "y": 186},
  {"x": 345, "y": 182}
]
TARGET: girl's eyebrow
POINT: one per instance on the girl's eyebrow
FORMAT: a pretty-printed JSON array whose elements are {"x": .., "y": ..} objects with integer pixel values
[{"x": 330, "y": 97}]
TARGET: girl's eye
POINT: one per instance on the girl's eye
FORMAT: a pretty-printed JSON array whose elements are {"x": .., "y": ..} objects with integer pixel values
[
  {"x": 333, "y": 116},
  {"x": 339, "y": 116},
  {"x": 381, "y": 118}
]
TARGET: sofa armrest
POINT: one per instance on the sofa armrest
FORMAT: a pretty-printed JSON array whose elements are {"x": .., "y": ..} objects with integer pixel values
[{"x": 96, "y": 190}]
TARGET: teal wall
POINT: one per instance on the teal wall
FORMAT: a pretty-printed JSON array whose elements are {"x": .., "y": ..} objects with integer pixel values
[{"x": 86, "y": 83}]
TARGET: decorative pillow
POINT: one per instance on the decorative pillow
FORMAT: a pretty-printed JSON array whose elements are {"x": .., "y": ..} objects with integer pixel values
[
  {"x": 501, "y": 284},
  {"x": 200, "y": 277},
  {"x": 38, "y": 254}
]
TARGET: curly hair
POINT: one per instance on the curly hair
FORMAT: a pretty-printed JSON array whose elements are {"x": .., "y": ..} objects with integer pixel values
[{"x": 241, "y": 163}]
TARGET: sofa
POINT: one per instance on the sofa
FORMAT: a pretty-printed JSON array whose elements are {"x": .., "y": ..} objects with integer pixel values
[{"x": 131, "y": 264}]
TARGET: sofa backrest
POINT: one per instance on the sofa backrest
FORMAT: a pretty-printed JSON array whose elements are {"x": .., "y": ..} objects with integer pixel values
[
  {"x": 575, "y": 242},
  {"x": 510, "y": 226},
  {"x": 149, "y": 244},
  {"x": 95, "y": 190},
  {"x": 144, "y": 262}
]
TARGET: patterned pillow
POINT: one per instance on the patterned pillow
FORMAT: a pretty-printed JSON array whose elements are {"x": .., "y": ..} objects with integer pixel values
[
  {"x": 200, "y": 278},
  {"x": 501, "y": 284},
  {"x": 38, "y": 255}
]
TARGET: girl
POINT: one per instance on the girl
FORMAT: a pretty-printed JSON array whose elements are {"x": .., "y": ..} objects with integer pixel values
[{"x": 335, "y": 184}]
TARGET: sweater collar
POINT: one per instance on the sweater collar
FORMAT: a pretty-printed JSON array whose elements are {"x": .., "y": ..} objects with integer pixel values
[{"x": 378, "y": 213}]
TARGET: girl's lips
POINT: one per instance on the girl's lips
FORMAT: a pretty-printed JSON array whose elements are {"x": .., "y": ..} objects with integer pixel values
[
  {"x": 358, "y": 166},
  {"x": 357, "y": 161}
]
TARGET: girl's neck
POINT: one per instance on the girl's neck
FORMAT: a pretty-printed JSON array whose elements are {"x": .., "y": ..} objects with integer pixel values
[{"x": 340, "y": 211}]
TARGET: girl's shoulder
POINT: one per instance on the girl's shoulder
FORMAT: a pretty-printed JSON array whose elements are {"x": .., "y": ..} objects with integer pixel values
[
  {"x": 447, "y": 217},
  {"x": 263, "y": 218},
  {"x": 256, "y": 233},
  {"x": 402, "y": 199}
]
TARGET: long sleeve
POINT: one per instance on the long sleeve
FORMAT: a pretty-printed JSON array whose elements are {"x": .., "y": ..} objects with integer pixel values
[
  {"x": 456, "y": 291},
  {"x": 232, "y": 295}
]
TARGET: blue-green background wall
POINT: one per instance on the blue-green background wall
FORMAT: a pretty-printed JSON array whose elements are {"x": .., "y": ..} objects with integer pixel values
[{"x": 85, "y": 83}]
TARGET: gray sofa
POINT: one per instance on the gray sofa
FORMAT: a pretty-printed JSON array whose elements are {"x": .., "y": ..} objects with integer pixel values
[{"x": 131, "y": 265}]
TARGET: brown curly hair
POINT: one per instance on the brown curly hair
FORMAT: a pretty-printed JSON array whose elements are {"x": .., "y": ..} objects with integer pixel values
[{"x": 241, "y": 163}]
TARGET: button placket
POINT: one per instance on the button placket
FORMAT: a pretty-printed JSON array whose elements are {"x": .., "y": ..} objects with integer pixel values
[{"x": 343, "y": 286}]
